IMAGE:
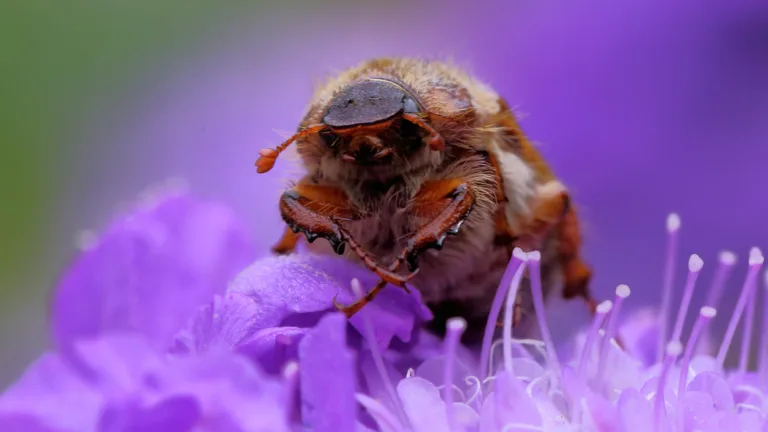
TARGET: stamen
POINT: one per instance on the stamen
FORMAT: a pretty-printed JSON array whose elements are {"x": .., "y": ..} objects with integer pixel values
[
  {"x": 290, "y": 375},
  {"x": 601, "y": 312},
  {"x": 518, "y": 256},
  {"x": 508, "y": 313},
  {"x": 622, "y": 292},
  {"x": 705, "y": 315},
  {"x": 673, "y": 227},
  {"x": 695, "y": 263},
  {"x": 377, "y": 410},
  {"x": 755, "y": 262},
  {"x": 749, "y": 319},
  {"x": 726, "y": 262},
  {"x": 763, "y": 364},
  {"x": 378, "y": 359},
  {"x": 673, "y": 350},
  {"x": 534, "y": 259},
  {"x": 455, "y": 328}
]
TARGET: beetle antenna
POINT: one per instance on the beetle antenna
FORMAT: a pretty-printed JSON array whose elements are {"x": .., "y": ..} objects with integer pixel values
[
  {"x": 436, "y": 141},
  {"x": 268, "y": 156}
]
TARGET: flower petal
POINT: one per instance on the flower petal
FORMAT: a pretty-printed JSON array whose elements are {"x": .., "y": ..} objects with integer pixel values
[
  {"x": 151, "y": 270},
  {"x": 51, "y": 395},
  {"x": 118, "y": 383},
  {"x": 233, "y": 393},
  {"x": 513, "y": 405},
  {"x": 327, "y": 377},
  {"x": 714, "y": 385},
  {"x": 179, "y": 414},
  {"x": 423, "y": 405},
  {"x": 699, "y": 408},
  {"x": 640, "y": 333},
  {"x": 24, "y": 423},
  {"x": 223, "y": 323},
  {"x": 272, "y": 348},
  {"x": 296, "y": 290},
  {"x": 385, "y": 420},
  {"x": 635, "y": 413}
]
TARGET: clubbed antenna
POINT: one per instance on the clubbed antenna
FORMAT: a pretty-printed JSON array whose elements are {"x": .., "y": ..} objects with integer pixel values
[{"x": 267, "y": 156}]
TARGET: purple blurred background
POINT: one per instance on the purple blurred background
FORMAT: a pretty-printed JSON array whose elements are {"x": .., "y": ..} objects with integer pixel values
[{"x": 642, "y": 107}]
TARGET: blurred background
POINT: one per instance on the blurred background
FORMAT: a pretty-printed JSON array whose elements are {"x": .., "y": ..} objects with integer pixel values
[{"x": 643, "y": 107}]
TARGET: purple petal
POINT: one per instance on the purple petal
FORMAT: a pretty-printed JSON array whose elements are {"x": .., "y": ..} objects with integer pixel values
[
  {"x": 699, "y": 408},
  {"x": 118, "y": 383},
  {"x": 512, "y": 403},
  {"x": 751, "y": 421},
  {"x": 23, "y": 423},
  {"x": 384, "y": 418},
  {"x": 603, "y": 414},
  {"x": 375, "y": 385},
  {"x": 327, "y": 377},
  {"x": 433, "y": 371},
  {"x": 151, "y": 270},
  {"x": 273, "y": 347},
  {"x": 635, "y": 413},
  {"x": 233, "y": 393},
  {"x": 50, "y": 395},
  {"x": 423, "y": 405},
  {"x": 714, "y": 385},
  {"x": 295, "y": 290},
  {"x": 223, "y": 323},
  {"x": 178, "y": 414},
  {"x": 115, "y": 363},
  {"x": 639, "y": 333}
]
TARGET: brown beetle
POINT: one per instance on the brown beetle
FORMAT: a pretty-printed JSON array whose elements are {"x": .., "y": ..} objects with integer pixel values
[{"x": 402, "y": 153}]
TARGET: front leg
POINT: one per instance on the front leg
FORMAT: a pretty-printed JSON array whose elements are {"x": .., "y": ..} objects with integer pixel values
[
  {"x": 310, "y": 208},
  {"x": 318, "y": 211},
  {"x": 445, "y": 204}
]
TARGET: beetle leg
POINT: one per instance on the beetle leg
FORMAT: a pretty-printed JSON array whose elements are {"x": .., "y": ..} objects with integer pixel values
[
  {"x": 287, "y": 242},
  {"x": 446, "y": 204},
  {"x": 318, "y": 211}
]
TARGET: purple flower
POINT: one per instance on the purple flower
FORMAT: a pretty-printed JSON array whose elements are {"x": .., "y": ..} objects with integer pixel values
[
  {"x": 162, "y": 324},
  {"x": 151, "y": 269},
  {"x": 118, "y": 382},
  {"x": 148, "y": 335}
]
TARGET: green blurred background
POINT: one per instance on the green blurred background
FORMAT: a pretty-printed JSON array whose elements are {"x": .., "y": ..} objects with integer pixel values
[{"x": 61, "y": 61}]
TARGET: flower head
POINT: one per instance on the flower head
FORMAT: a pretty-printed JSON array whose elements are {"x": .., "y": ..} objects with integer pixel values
[{"x": 162, "y": 324}]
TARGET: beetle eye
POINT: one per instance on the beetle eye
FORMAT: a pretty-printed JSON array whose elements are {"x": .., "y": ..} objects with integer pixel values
[
  {"x": 410, "y": 105},
  {"x": 329, "y": 138}
]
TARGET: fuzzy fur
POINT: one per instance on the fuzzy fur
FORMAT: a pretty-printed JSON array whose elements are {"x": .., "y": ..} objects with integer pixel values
[{"x": 467, "y": 114}]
